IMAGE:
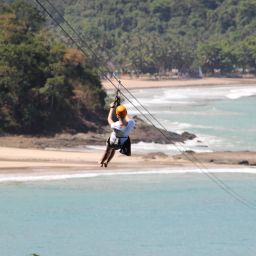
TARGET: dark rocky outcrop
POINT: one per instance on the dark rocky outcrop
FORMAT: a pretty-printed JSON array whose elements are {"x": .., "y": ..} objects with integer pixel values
[
  {"x": 143, "y": 132},
  {"x": 148, "y": 133},
  {"x": 245, "y": 158}
]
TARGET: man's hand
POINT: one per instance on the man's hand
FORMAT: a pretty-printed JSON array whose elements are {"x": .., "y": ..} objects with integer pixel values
[{"x": 112, "y": 105}]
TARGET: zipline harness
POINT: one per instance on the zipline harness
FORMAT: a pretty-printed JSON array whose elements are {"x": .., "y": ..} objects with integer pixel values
[{"x": 221, "y": 184}]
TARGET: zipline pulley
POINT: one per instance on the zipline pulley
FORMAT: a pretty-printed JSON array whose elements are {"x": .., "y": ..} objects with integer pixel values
[{"x": 117, "y": 101}]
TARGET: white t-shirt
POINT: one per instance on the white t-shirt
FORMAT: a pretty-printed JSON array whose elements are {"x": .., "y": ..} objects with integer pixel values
[{"x": 121, "y": 132}]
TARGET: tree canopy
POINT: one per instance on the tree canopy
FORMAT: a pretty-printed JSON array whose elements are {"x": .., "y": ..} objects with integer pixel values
[
  {"x": 47, "y": 87},
  {"x": 150, "y": 36},
  {"x": 44, "y": 86}
]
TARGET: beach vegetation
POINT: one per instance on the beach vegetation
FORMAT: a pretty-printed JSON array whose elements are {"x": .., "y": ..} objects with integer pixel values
[
  {"x": 157, "y": 36},
  {"x": 48, "y": 87},
  {"x": 45, "y": 87}
]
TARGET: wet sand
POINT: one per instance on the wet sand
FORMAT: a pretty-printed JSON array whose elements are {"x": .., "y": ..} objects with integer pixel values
[{"x": 17, "y": 160}]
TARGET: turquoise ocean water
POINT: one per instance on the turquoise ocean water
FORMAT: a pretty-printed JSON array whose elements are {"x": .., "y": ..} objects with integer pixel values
[
  {"x": 223, "y": 118},
  {"x": 174, "y": 214},
  {"x": 141, "y": 215}
]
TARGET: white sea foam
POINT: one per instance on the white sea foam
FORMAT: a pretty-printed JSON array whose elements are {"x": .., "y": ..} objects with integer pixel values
[
  {"x": 241, "y": 92},
  {"x": 197, "y": 145},
  {"x": 170, "y": 149},
  {"x": 213, "y": 113},
  {"x": 211, "y": 142},
  {"x": 190, "y": 95},
  {"x": 197, "y": 110},
  {"x": 144, "y": 148},
  {"x": 84, "y": 175},
  {"x": 180, "y": 127},
  {"x": 194, "y": 93}
]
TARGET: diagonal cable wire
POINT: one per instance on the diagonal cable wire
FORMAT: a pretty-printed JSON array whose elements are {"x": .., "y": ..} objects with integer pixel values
[
  {"x": 191, "y": 158},
  {"x": 217, "y": 180}
]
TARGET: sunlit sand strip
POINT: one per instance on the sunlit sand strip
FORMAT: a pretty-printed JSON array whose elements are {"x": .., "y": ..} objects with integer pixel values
[{"x": 140, "y": 83}]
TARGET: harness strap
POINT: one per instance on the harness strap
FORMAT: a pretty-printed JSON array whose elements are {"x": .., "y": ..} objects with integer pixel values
[{"x": 117, "y": 98}]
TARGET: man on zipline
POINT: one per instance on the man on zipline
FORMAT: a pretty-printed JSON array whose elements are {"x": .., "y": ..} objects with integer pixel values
[{"x": 119, "y": 138}]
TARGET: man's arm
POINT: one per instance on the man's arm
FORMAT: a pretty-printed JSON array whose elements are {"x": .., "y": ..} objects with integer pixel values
[{"x": 110, "y": 114}]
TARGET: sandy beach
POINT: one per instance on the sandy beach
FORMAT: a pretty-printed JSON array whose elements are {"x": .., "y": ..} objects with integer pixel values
[
  {"x": 20, "y": 159},
  {"x": 29, "y": 160},
  {"x": 16, "y": 163},
  {"x": 207, "y": 81}
]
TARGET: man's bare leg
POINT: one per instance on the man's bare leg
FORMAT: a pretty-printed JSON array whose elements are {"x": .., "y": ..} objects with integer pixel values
[{"x": 111, "y": 155}]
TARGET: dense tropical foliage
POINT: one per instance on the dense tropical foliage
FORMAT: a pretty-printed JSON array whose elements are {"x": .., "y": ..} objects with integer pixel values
[
  {"x": 44, "y": 86},
  {"x": 152, "y": 36},
  {"x": 47, "y": 87}
]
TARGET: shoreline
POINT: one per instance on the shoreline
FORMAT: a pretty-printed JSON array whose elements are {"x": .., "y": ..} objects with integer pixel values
[
  {"x": 38, "y": 165},
  {"x": 175, "y": 83},
  {"x": 22, "y": 157},
  {"x": 53, "y": 176}
]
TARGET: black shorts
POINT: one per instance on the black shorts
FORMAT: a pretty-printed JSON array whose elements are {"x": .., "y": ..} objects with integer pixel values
[{"x": 124, "y": 148}]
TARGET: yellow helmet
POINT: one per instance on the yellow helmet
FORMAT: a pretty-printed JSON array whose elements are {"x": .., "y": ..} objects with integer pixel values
[{"x": 121, "y": 111}]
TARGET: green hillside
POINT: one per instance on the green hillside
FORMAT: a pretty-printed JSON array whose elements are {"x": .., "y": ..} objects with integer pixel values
[
  {"x": 151, "y": 36},
  {"x": 47, "y": 87},
  {"x": 44, "y": 86}
]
